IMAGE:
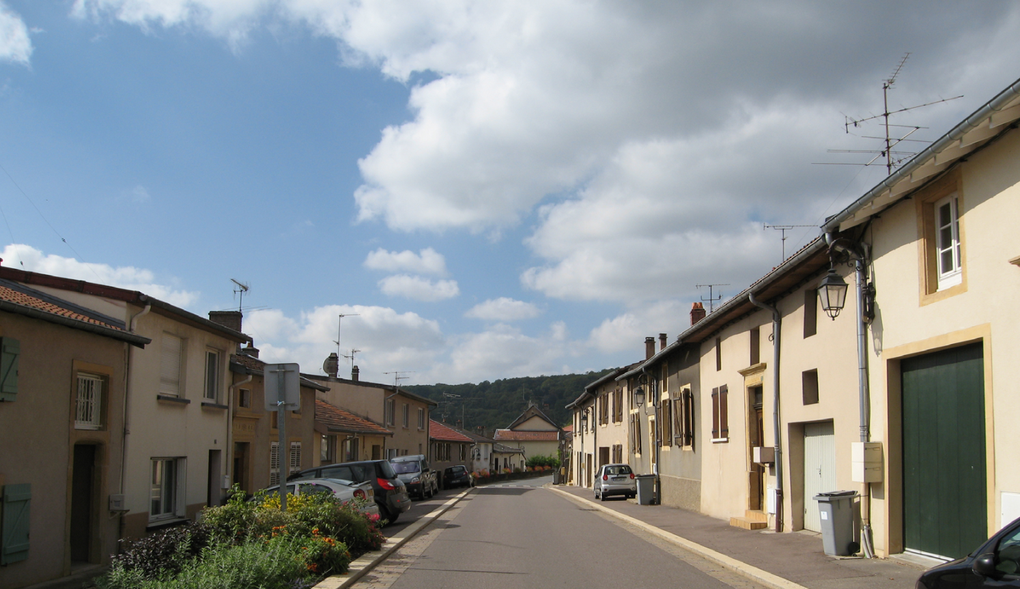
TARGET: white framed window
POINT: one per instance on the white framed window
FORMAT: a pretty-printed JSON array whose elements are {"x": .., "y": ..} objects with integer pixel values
[
  {"x": 407, "y": 414},
  {"x": 389, "y": 410},
  {"x": 212, "y": 375},
  {"x": 88, "y": 412},
  {"x": 172, "y": 350},
  {"x": 947, "y": 242},
  {"x": 165, "y": 489},
  {"x": 421, "y": 418}
]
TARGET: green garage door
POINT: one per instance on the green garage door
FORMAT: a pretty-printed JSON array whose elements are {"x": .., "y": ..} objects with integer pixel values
[{"x": 944, "y": 500}]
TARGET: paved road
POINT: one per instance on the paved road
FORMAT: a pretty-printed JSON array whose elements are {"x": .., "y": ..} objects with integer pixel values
[{"x": 520, "y": 535}]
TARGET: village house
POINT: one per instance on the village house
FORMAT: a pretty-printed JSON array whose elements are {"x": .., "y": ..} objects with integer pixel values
[
  {"x": 534, "y": 433},
  {"x": 448, "y": 447}
]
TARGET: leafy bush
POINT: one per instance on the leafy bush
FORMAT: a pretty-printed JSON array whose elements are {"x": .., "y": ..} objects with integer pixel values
[
  {"x": 541, "y": 461},
  {"x": 163, "y": 553}
]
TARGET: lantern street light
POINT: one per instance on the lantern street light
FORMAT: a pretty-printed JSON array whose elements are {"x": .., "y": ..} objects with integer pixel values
[{"x": 832, "y": 293}]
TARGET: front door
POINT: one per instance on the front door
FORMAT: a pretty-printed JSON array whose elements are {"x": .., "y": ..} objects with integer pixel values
[
  {"x": 756, "y": 437},
  {"x": 82, "y": 485},
  {"x": 819, "y": 469},
  {"x": 944, "y": 480}
]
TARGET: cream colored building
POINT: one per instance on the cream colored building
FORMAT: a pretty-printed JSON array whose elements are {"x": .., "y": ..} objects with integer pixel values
[
  {"x": 534, "y": 433},
  {"x": 177, "y": 414}
]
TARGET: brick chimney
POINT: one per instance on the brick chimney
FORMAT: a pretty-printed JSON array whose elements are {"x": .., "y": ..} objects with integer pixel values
[
  {"x": 697, "y": 313},
  {"x": 355, "y": 373},
  {"x": 649, "y": 347},
  {"x": 229, "y": 319},
  {"x": 662, "y": 342}
]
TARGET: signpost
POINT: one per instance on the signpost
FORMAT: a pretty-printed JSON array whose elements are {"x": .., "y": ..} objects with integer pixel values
[{"x": 282, "y": 383}]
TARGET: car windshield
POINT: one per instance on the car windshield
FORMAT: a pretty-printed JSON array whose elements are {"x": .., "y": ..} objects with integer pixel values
[
  {"x": 405, "y": 467},
  {"x": 614, "y": 470}
]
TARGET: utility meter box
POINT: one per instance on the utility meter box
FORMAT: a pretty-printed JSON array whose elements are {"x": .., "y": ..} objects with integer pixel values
[
  {"x": 866, "y": 462},
  {"x": 764, "y": 454}
]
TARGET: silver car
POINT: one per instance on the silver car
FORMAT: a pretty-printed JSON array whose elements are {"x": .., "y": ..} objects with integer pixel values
[
  {"x": 615, "y": 479},
  {"x": 339, "y": 488}
]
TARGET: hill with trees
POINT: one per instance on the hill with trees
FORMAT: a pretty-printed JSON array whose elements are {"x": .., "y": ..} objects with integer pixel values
[{"x": 495, "y": 405}]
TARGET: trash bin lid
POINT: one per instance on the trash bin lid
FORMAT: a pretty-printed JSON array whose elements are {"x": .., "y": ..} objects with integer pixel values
[
  {"x": 645, "y": 476},
  {"x": 831, "y": 495}
]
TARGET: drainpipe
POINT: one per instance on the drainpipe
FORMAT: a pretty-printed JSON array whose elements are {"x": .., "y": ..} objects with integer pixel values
[
  {"x": 132, "y": 323},
  {"x": 777, "y": 323},
  {"x": 859, "y": 254}
]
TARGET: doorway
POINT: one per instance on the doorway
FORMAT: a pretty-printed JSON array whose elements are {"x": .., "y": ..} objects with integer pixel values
[
  {"x": 82, "y": 502},
  {"x": 819, "y": 469},
  {"x": 755, "y": 438}
]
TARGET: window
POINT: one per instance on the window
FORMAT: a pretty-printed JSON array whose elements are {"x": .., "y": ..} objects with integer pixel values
[
  {"x": 720, "y": 416},
  {"x": 295, "y": 458},
  {"x": 810, "y": 312},
  {"x": 947, "y": 238},
  {"x": 351, "y": 450},
  {"x": 212, "y": 376},
  {"x": 809, "y": 386},
  {"x": 170, "y": 365},
  {"x": 89, "y": 402},
  {"x": 327, "y": 453},
  {"x": 10, "y": 349},
  {"x": 165, "y": 485},
  {"x": 618, "y": 453},
  {"x": 463, "y": 452},
  {"x": 274, "y": 463},
  {"x": 718, "y": 354},
  {"x": 665, "y": 423},
  {"x": 755, "y": 346},
  {"x": 391, "y": 453},
  {"x": 618, "y": 406},
  {"x": 421, "y": 419},
  {"x": 244, "y": 398},
  {"x": 683, "y": 418},
  {"x": 389, "y": 410},
  {"x": 635, "y": 429},
  {"x": 407, "y": 411},
  {"x": 603, "y": 409}
]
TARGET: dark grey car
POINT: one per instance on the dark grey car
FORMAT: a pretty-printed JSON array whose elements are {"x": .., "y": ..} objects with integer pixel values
[
  {"x": 996, "y": 563},
  {"x": 414, "y": 470},
  {"x": 390, "y": 491}
]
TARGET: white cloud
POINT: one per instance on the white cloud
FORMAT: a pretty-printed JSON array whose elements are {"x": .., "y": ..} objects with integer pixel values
[
  {"x": 427, "y": 261},
  {"x": 418, "y": 288},
  {"x": 503, "y": 309},
  {"x": 28, "y": 258},
  {"x": 139, "y": 194},
  {"x": 502, "y": 352},
  {"x": 15, "y": 44},
  {"x": 627, "y": 331}
]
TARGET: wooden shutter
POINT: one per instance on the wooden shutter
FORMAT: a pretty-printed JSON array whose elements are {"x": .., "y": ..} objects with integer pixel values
[
  {"x": 715, "y": 413},
  {"x": 688, "y": 404},
  {"x": 724, "y": 420},
  {"x": 11, "y": 349},
  {"x": 679, "y": 436},
  {"x": 14, "y": 539}
]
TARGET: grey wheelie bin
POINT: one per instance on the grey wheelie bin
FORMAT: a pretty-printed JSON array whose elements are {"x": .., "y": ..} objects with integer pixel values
[{"x": 836, "y": 511}]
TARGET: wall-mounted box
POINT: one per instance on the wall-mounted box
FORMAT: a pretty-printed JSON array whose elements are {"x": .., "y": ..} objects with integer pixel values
[
  {"x": 763, "y": 454},
  {"x": 117, "y": 502},
  {"x": 866, "y": 462}
]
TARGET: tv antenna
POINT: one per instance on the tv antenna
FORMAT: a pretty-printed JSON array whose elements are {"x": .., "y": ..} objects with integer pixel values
[
  {"x": 351, "y": 356},
  {"x": 711, "y": 299},
  {"x": 239, "y": 289},
  {"x": 892, "y": 156},
  {"x": 397, "y": 378},
  {"x": 339, "y": 324},
  {"x": 784, "y": 229}
]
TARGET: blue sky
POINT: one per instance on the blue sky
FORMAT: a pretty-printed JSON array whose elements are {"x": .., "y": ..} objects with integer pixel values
[{"x": 487, "y": 190}]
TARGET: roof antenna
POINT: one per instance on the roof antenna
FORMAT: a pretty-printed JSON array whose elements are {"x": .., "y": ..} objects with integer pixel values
[
  {"x": 240, "y": 289},
  {"x": 339, "y": 324},
  {"x": 710, "y": 300},
  {"x": 784, "y": 229},
  {"x": 892, "y": 157}
]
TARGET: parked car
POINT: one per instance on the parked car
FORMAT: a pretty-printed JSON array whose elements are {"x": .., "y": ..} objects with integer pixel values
[
  {"x": 615, "y": 479},
  {"x": 421, "y": 480},
  {"x": 457, "y": 476},
  {"x": 390, "y": 491},
  {"x": 342, "y": 490},
  {"x": 996, "y": 563}
]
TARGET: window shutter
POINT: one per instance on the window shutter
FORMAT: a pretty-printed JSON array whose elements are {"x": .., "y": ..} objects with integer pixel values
[
  {"x": 274, "y": 463},
  {"x": 295, "y": 457},
  {"x": 715, "y": 413},
  {"x": 689, "y": 417},
  {"x": 170, "y": 366},
  {"x": 11, "y": 349},
  {"x": 678, "y": 420},
  {"x": 724, "y": 422},
  {"x": 14, "y": 540}
]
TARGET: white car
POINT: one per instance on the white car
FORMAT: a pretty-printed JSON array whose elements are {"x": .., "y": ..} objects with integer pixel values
[
  {"x": 339, "y": 488},
  {"x": 615, "y": 479}
]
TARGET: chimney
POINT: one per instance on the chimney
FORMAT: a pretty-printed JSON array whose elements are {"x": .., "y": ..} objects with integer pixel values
[
  {"x": 649, "y": 347},
  {"x": 229, "y": 319},
  {"x": 697, "y": 313},
  {"x": 662, "y": 342},
  {"x": 331, "y": 365},
  {"x": 355, "y": 372},
  {"x": 250, "y": 350}
]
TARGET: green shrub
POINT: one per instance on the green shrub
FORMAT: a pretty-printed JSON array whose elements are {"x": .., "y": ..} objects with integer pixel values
[{"x": 538, "y": 461}]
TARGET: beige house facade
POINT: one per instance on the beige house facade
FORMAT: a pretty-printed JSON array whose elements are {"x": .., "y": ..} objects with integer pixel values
[
  {"x": 534, "y": 433},
  {"x": 62, "y": 397}
]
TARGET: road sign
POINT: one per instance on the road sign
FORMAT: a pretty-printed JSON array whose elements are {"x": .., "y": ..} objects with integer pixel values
[{"x": 282, "y": 383}]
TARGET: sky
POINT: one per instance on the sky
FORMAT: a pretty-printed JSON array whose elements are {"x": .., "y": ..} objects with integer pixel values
[{"x": 483, "y": 190}]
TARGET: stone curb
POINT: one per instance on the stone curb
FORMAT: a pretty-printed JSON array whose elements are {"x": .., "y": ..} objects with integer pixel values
[
  {"x": 755, "y": 574},
  {"x": 368, "y": 561}
]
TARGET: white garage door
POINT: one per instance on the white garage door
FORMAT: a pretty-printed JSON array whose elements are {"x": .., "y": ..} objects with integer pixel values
[{"x": 819, "y": 469}]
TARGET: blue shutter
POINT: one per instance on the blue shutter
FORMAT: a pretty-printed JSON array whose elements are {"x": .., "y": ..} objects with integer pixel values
[
  {"x": 14, "y": 540},
  {"x": 10, "y": 349}
]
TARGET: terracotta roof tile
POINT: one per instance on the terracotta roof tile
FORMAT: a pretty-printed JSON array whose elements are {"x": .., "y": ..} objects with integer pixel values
[
  {"x": 438, "y": 431},
  {"x": 517, "y": 436},
  {"x": 337, "y": 419},
  {"x": 27, "y": 299}
]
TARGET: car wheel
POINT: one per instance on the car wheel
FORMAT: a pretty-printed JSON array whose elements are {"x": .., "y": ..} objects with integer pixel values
[
  {"x": 393, "y": 515},
  {"x": 596, "y": 493},
  {"x": 602, "y": 496}
]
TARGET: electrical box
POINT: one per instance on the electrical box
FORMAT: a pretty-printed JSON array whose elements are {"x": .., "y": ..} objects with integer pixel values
[
  {"x": 763, "y": 454},
  {"x": 117, "y": 502},
  {"x": 866, "y": 462}
]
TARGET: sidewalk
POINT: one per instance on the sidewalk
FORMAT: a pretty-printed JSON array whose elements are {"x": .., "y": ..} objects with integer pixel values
[{"x": 781, "y": 561}]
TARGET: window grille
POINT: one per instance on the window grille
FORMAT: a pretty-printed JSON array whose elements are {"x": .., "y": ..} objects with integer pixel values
[{"x": 89, "y": 404}]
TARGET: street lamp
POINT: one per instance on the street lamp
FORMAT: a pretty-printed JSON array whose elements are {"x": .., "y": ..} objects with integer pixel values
[
  {"x": 639, "y": 396},
  {"x": 832, "y": 293}
]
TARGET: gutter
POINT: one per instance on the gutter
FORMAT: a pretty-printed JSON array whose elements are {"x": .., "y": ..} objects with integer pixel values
[{"x": 777, "y": 324}]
